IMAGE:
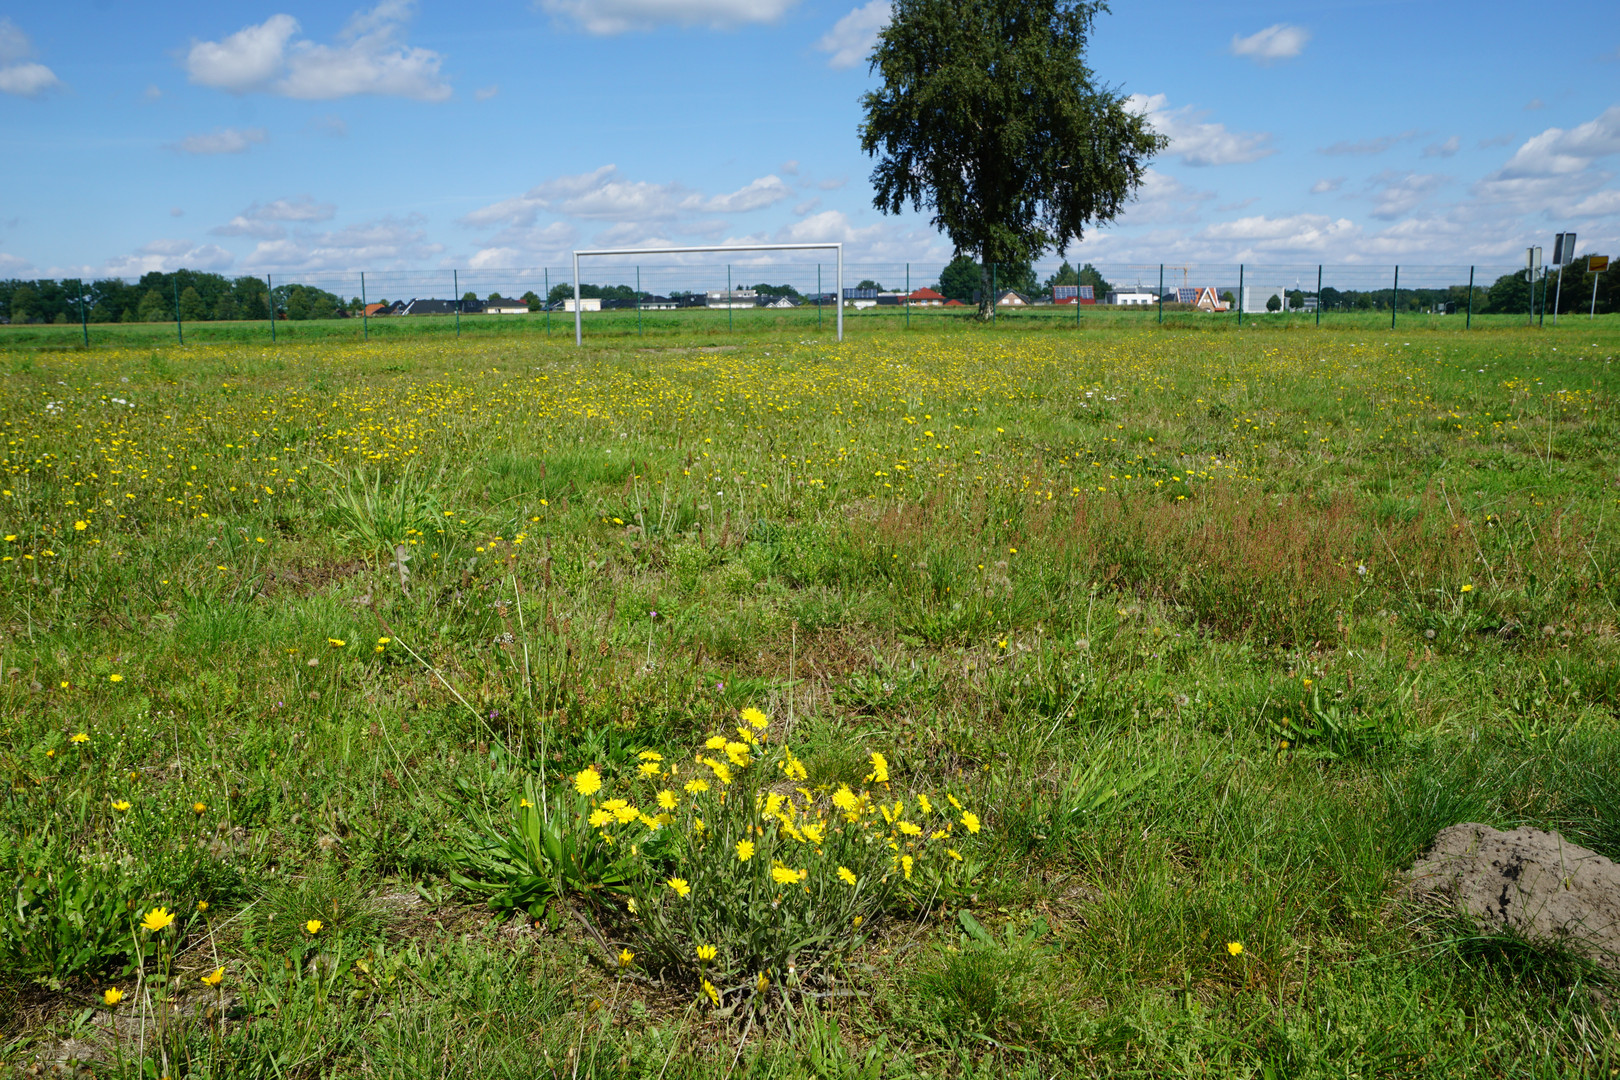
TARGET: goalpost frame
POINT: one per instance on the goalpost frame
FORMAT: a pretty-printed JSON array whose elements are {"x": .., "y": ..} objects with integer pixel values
[{"x": 579, "y": 325}]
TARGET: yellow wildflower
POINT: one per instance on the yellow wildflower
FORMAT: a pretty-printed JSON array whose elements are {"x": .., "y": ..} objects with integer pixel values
[
  {"x": 313, "y": 926},
  {"x": 625, "y": 957},
  {"x": 880, "y": 770},
  {"x": 680, "y": 886},
  {"x": 214, "y": 978},
  {"x": 846, "y": 875},
  {"x": 755, "y": 717},
  {"x": 705, "y": 953},
  {"x": 710, "y": 992},
  {"x": 80, "y": 737},
  {"x": 745, "y": 850},
  {"x": 157, "y": 919},
  {"x": 121, "y": 805},
  {"x": 906, "y": 862},
  {"x": 112, "y": 995},
  {"x": 588, "y": 781},
  {"x": 970, "y": 821},
  {"x": 696, "y": 787},
  {"x": 1235, "y": 948},
  {"x": 666, "y": 799}
]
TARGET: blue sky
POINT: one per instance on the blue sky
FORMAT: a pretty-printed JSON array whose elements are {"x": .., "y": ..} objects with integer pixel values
[{"x": 281, "y": 136}]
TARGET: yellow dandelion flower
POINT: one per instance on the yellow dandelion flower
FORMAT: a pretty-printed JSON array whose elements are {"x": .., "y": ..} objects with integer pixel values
[
  {"x": 706, "y": 953},
  {"x": 666, "y": 799},
  {"x": 588, "y": 781},
  {"x": 745, "y": 850},
  {"x": 650, "y": 755},
  {"x": 784, "y": 875},
  {"x": 121, "y": 805},
  {"x": 115, "y": 677},
  {"x": 214, "y": 978},
  {"x": 649, "y": 768},
  {"x": 202, "y": 906},
  {"x": 880, "y": 770},
  {"x": 81, "y": 737},
  {"x": 710, "y": 992},
  {"x": 625, "y": 957},
  {"x": 696, "y": 787},
  {"x": 682, "y": 889},
  {"x": 313, "y": 926},
  {"x": 846, "y": 875},
  {"x": 112, "y": 995},
  {"x": 157, "y": 919},
  {"x": 600, "y": 817},
  {"x": 199, "y": 808},
  {"x": 970, "y": 821},
  {"x": 525, "y": 804},
  {"x": 906, "y": 863},
  {"x": 1235, "y": 948},
  {"x": 336, "y": 642},
  {"x": 755, "y": 718}
]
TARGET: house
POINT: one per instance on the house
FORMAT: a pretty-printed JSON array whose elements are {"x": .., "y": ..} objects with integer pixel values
[
  {"x": 1011, "y": 298},
  {"x": 589, "y": 303},
  {"x": 778, "y": 302},
  {"x": 506, "y": 307},
  {"x": 926, "y": 298},
  {"x": 377, "y": 309},
  {"x": 658, "y": 303},
  {"x": 731, "y": 298},
  {"x": 1074, "y": 294},
  {"x": 853, "y": 293},
  {"x": 427, "y": 307},
  {"x": 1202, "y": 297},
  {"x": 1133, "y": 298},
  {"x": 891, "y": 299},
  {"x": 954, "y": 303}
]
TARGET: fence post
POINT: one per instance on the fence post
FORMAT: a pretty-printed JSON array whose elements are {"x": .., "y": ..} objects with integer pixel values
[
  {"x": 179, "y": 330},
  {"x": 1240, "y": 294},
  {"x": 1395, "y": 297},
  {"x": 365, "y": 316},
  {"x": 84, "y": 320},
  {"x": 638, "y": 301},
  {"x": 1468, "y": 321},
  {"x": 818, "y": 297},
  {"x": 270, "y": 304},
  {"x": 1318, "y": 294},
  {"x": 579, "y": 325},
  {"x": 1161, "y": 294},
  {"x": 908, "y": 296},
  {"x": 992, "y": 292},
  {"x": 1541, "y": 320},
  {"x": 546, "y": 270},
  {"x": 455, "y": 290},
  {"x": 729, "y": 297}
]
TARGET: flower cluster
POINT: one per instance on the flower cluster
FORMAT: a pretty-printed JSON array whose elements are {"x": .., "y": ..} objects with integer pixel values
[{"x": 742, "y": 869}]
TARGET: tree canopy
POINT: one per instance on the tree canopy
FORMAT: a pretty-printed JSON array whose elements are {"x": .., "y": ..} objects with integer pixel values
[{"x": 989, "y": 117}]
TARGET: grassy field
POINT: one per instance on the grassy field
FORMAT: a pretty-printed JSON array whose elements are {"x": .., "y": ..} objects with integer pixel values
[
  {"x": 671, "y": 327},
  {"x": 1002, "y": 703}
]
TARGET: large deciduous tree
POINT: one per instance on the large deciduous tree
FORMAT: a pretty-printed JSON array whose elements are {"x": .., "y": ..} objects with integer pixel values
[{"x": 989, "y": 117}]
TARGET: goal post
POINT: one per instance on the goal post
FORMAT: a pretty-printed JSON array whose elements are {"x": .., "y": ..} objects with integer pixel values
[{"x": 585, "y": 253}]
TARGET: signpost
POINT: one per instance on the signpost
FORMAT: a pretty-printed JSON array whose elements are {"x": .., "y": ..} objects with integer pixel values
[
  {"x": 1563, "y": 255},
  {"x": 1595, "y": 265}
]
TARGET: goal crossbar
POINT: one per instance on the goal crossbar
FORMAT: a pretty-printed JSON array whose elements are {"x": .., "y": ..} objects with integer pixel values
[{"x": 581, "y": 253}]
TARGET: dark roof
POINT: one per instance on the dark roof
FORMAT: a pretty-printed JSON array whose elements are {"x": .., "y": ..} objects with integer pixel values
[{"x": 433, "y": 307}]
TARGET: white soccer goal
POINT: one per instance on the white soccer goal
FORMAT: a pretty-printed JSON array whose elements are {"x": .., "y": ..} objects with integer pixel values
[{"x": 583, "y": 253}]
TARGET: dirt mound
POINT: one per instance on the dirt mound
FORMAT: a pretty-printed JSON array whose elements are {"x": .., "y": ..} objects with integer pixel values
[{"x": 1533, "y": 883}]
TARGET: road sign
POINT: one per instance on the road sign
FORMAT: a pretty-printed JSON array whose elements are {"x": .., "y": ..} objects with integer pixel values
[
  {"x": 1596, "y": 264},
  {"x": 1564, "y": 249}
]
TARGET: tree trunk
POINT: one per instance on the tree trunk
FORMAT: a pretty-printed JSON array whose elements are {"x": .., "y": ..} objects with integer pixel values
[{"x": 985, "y": 299}]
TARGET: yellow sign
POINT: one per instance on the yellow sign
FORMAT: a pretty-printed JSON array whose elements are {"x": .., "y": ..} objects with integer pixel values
[{"x": 1596, "y": 264}]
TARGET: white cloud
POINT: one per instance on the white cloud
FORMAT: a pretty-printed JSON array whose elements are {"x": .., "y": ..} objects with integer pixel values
[
  {"x": 1294, "y": 233},
  {"x": 1196, "y": 142},
  {"x": 487, "y": 92},
  {"x": 166, "y": 255},
  {"x": 1534, "y": 105},
  {"x": 264, "y": 220},
  {"x": 247, "y": 60},
  {"x": 604, "y": 194},
  {"x": 369, "y": 57},
  {"x": 618, "y": 16},
  {"x": 789, "y": 168},
  {"x": 851, "y": 39},
  {"x": 14, "y": 265},
  {"x": 19, "y": 74},
  {"x": 1400, "y": 192},
  {"x": 1279, "y": 41},
  {"x": 809, "y": 206},
  {"x": 1601, "y": 204},
  {"x": 1327, "y": 184},
  {"x": 1556, "y": 152},
  {"x": 330, "y": 125},
  {"x": 1443, "y": 149},
  {"x": 1162, "y": 199},
  {"x": 221, "y": 141},
  {"x": 386, "y": 243},
  {"x": 1365, "y": 147}
]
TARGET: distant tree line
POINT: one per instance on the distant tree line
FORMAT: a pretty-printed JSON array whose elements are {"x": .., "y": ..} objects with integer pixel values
[{"x": 202, "y": 297}]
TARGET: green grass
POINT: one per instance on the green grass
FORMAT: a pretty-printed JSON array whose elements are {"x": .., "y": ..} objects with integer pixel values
[{"x": 1091, "y": 582}]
